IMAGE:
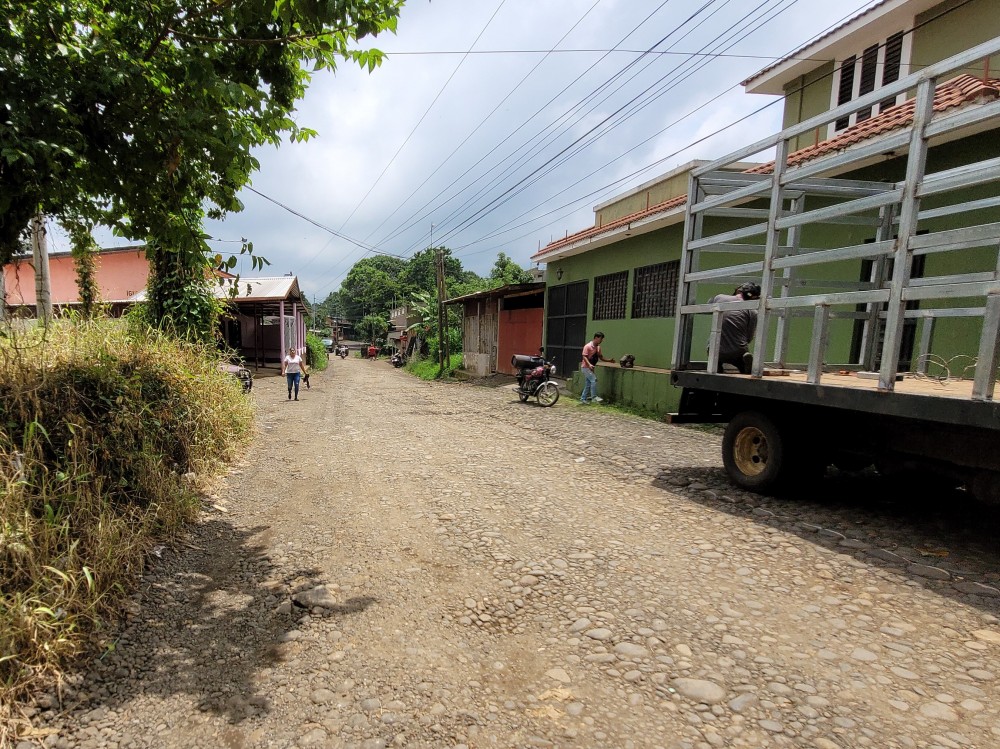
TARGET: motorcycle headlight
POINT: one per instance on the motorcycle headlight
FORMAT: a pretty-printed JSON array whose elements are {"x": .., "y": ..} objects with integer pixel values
[{"x": 552, "y": 368}]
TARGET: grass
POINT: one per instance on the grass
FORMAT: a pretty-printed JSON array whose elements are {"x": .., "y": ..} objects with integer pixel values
[
  {"x": 107, "y": 430},
  {"x": 427, "y": 369}
]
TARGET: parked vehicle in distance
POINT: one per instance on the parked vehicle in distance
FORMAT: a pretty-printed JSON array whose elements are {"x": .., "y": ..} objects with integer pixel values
[
  {"x": 397, "y": 359},
  {"x": 327, "y": 344},
  {"x": 534, "y": 379}
]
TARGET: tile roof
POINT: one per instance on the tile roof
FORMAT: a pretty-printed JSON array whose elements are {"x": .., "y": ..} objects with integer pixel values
[
  {"x": 960, "y": 91},
  {"x": 957, "y": 92}
]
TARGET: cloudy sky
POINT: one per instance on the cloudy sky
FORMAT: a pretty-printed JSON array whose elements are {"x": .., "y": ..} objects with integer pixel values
[{"x": 497, "y": 125}]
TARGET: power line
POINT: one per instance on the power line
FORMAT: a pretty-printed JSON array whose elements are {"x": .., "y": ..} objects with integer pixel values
[
  {"x": 422, "y": 117},
  {"x": 482, "y": 122},
  {"x": 324, "y": 227},
  {"x": 716, "y": 132},
  {"x": 404, "y": 226},
  {"x": 513, "y": 190}
]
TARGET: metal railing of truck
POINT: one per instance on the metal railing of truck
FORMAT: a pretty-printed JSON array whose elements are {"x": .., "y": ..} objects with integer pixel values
[{"x": 774, "y": 207}]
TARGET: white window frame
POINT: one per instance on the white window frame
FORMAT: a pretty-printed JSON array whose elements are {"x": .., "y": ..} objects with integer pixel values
[{"x": 904, "y": 70}]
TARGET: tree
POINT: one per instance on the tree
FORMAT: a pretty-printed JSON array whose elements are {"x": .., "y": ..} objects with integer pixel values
[
  {"x": 142, "y": 115},
  {"x": 372, "y": 328},
  {"x": 421, "y": 273},
  {"x": 372, "y": 285},
  {"x": 506, "y": 272}
]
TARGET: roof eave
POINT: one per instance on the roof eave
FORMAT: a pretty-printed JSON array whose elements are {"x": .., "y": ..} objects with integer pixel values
[{"x": 613, "y": 236}]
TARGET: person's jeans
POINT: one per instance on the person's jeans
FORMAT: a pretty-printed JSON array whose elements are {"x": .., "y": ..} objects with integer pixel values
[
  {"x": 293, "y": 382},
  {"x": 589, "y": 385}
]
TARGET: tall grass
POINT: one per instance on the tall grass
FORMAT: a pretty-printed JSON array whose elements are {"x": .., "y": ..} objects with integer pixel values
[
  {"x": 106, "y": 429},
  {"x": 430, "y": 369}
]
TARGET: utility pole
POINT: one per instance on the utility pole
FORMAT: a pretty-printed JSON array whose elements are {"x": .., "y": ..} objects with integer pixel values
[
  {"x": 442, "y": 333},
  {"x": 40, "y": 257}
]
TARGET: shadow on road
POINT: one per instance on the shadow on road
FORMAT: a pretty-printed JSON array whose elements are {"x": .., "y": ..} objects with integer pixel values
[
  {"x": 943, "y": 539},
  {"x": 210, "y": 620}
]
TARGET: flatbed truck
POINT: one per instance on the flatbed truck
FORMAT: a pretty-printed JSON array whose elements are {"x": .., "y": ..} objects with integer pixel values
[{"x": 877, "y": 351}]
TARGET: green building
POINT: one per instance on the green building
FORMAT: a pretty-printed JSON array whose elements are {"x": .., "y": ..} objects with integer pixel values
[{"x": 621, "y": 275}]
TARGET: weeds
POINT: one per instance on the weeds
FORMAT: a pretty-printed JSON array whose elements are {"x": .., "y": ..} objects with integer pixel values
[
  {"x": 105, "y": 429},
  {"x": 428, "y": 369}
]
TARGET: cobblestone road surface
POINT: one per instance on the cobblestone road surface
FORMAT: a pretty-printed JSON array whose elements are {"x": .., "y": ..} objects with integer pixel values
[{"x": 412, "y": 564}]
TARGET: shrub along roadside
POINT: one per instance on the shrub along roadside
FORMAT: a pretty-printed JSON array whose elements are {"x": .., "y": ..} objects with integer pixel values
[
  {"x": 316, "y": 355},
  {"x": 105, "y": 428},
  {"x": 428, "y": 369}
]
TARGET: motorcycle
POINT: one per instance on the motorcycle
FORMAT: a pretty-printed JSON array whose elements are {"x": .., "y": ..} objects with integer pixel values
[
  {"x": 342, "y": 351},
  {"x": 534, "y": 375},
  {"x": 397, "y": 360}
]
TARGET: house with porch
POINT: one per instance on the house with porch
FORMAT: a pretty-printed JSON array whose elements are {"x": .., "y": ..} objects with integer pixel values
[
  {"x": 265, "y": 316},
  {"x": 621, "y": 275}
]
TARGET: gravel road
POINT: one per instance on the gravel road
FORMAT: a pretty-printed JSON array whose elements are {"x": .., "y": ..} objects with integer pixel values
[{"x": 399, "y": 563}]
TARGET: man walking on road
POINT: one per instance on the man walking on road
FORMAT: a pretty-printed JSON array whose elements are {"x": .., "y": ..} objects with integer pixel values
[{"x": 591, "y": 355}]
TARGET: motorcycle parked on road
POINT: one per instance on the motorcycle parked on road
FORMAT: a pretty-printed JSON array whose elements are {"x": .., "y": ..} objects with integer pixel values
[
  {"x": 343, "y": 351},
  {"x": 534, "y": 378},
  {"x": 397, "y": 360}
]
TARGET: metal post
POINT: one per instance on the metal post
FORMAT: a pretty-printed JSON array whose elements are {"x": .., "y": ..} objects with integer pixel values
[
  {"x": 915, "y": 167},
  {"x": 281, "y": 330},
  {"x": 771, "y": 245},
  {"x": 793, "y": 239},
  {"x": 680, "y": 357},
  {"x": 926, "y": 337},
  {"x": 715, "y": 341},
  {"x": 820, "y": 339},
  {"x": 879, "y": 275},
  {"x": 989, "y": 351}
]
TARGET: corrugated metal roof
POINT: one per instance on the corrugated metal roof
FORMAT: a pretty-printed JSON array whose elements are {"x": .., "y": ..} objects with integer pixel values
[
  {"x": 509, "y": 290},
  {"x": 266, "y": 289}
]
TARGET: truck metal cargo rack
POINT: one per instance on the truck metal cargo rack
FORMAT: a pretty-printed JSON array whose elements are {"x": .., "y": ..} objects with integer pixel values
[{"x": 772, "y": 212}]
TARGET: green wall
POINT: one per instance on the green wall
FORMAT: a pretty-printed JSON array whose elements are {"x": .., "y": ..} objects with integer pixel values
[
  {"x": 655, "y": 194},
  {"x": 805, "y": 97},
  {"x": 964, "y": 26}
]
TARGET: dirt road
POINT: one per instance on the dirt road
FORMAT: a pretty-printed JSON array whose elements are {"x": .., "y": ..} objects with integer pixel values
[{"x": 415, "y": 564}]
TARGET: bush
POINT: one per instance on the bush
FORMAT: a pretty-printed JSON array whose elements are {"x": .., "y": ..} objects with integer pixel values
[
  {"x": 316, "y": 355},
  {"x": 427, "y": 369},
  {"x": 106, "y": 429}
]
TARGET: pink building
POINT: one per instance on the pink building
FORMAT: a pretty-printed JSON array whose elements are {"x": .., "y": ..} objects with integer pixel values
[{"x": 120, "y": 272}]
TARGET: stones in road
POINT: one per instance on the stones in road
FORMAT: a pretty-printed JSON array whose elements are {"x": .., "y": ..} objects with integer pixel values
[{"x": 438, "y": 567}]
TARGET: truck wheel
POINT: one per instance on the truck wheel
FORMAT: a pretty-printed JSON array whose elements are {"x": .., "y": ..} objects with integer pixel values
[{"x": 754, "y": 452}]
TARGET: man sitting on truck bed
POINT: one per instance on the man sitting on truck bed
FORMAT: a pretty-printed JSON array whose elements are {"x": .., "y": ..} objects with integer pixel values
[{"x": 738, "y": 328}]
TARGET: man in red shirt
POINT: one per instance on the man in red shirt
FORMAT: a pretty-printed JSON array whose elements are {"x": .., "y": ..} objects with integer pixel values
[
  {"x": 372, "y": 352},
  {"x": 591, "y": 355}
]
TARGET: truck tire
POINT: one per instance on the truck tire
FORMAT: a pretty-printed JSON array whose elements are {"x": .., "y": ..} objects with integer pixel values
[{"x": 754, "y": 452}]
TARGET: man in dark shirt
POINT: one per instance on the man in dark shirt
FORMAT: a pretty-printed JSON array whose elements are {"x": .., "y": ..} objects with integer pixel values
[{"x": 738, "y": 328}]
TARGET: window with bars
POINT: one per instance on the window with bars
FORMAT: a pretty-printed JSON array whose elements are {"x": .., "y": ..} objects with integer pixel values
[
  {"x": 876, "y": 67},
  {"x": 655, "y": 290},
  {"x": 609, "y": 296}
]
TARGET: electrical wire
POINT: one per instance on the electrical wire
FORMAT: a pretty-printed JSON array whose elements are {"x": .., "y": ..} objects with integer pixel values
[
  {"x": 404, "y": 226},
  {"x": 422, "y": 118}
]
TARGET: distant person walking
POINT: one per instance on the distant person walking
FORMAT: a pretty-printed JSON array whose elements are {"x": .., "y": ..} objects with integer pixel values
[
  {"x": 738, "y": 328},
  {"x": 292, "y": 367},
  {"x": 372, "y": 352},
  {"x": 591, "y": 355}
]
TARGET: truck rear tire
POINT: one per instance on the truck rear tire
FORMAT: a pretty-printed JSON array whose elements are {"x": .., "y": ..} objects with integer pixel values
[{"x": 754, "y": 452}]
